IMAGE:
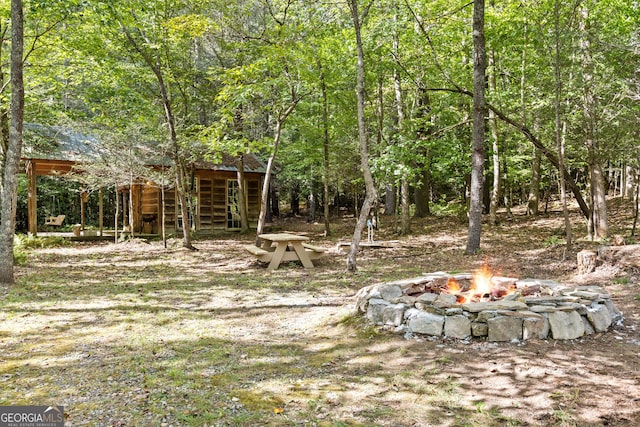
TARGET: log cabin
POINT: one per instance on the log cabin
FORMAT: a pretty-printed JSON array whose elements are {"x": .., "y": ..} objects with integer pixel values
[{"x": 62, "y": 152}]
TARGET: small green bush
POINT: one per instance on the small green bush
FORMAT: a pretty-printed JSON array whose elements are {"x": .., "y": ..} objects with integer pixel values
[{"x": 24, "y": 241}]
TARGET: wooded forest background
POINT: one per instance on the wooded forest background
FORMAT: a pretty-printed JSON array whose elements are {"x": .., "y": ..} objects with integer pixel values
[{"x": 192, "y": 79}]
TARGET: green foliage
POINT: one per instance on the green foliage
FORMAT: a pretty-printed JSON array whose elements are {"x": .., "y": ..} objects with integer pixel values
[
  {"x": 27, "y": 241},
  {"x": 23, "y": 243},
  {"x": 231, "y": 68},
  {"x": 553, "y": 241}
]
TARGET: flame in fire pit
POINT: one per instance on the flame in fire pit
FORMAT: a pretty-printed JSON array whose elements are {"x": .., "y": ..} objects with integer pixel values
[{"x": 482, "y": 287}]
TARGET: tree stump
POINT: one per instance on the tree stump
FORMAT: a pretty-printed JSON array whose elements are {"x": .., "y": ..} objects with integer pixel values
[{"x": 587, "y": 261}]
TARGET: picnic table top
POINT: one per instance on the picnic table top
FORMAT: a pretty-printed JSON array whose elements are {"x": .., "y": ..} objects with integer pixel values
[{"x": 283, "y": 237}]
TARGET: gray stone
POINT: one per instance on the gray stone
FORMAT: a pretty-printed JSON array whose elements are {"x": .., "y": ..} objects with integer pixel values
[
  {"x": 550, "y": 300},
  {"x": 584, "y": 295},
  {"x": 453, "y": 311},
  {"x": 476, "y": 307},
  {"x": 411, "y": 312},
  {"x": 428, "y": 298},
  {"x": 406, "y": 299},
  {"x": 504, "y": 328},
  {"x": 599, "y": 317},
  {"x": 616, "y": 314},
  {"x": 445, "y": 301},
  {"x": 514, "y": 296},
  {"x": 393, "y": 314},
  {"x": 430, "y": 309},
  {"x": 483, "y": 316},
  {"x": 362, "y": 298},
  {"x": 458, "y": 326},
  {"x": 570, "y": 306},
  {"x": 376, "y": 309},
  {"x": 588, "y": 328},
  {"x": 436, "y": 275},
  {"x": 479, "y": 329},
  {"x": 535, "y": 328},
  {"x": 592, "y": 288},
  {"x": 543, "y": 308},
  {"x": 566, "y": 325},
  {"x": 426, "y": 323},
  {"x": 390, "y": 291},
  {"x": 527, "y": 314}
]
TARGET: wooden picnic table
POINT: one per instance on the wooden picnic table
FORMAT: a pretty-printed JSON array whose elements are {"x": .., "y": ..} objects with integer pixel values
[{"x": 276, "y": 248}]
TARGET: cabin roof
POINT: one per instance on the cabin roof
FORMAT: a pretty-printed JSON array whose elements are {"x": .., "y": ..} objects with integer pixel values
[{"x": 57, "y": 143}]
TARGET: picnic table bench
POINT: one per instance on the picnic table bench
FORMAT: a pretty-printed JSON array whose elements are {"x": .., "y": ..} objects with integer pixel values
[{"x": 277, "y": 248}]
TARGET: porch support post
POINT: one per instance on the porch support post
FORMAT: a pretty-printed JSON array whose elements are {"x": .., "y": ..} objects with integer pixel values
[{"x": 32, "y": 204}]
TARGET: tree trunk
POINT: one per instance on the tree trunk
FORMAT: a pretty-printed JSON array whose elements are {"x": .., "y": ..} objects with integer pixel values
[
  {"x": 533, "y": 202},
  {"x": 599, "y": 217},
  {"x": 423, "y": 188},
  {"x": 117, "y": 214},
  {"x": 405, "y": 214},
  {"x": 560, "y": 126},
  {"x": 493, "y": 124},
  {"x": 174, "y": 153},
  {"x": 11, "y": 156},
  {"x": 242, "y": 196},
  {"x": 370, "y": 189},
  {"x": 423, "y": 194},
  {"x": 325, "y": 149},
  {"x": 478, "y": 152},
  {"x": 267, "y": 177},
  {"x": 390, "y": 199}
]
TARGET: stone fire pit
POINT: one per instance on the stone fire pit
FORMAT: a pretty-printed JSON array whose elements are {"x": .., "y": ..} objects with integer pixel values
[{"x": 519, "y": 310}]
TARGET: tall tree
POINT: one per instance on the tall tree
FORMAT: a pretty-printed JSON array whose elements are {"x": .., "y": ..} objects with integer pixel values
[
  {"x": 151, "y": 50},
  {"x": 10, "y": 154},
  {"x": 560, "y": 125},
  {"x": 370, "y": 188},
  {"x": 599, "y": 228},
  {"x": 479, "y": 109}
]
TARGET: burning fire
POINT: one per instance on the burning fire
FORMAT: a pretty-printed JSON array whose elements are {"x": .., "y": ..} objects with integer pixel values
[{"x": 482, "y": 287}]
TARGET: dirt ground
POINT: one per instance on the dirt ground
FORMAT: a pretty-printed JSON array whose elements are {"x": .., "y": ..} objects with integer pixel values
[{"x": 136, "y": 334}]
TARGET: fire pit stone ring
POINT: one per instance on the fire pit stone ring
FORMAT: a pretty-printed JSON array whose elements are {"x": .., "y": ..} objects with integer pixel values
[{"x": 465, "y": 306}]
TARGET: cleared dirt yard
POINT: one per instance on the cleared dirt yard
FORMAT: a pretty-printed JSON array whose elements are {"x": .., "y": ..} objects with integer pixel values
[{"x": 134, "y": 334}]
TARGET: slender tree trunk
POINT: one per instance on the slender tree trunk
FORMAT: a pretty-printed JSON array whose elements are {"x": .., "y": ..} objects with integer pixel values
[
  {"x": 242, "y": 197},
  {"x": 325, "y": 149},
  {"x": 560, "y": 128},
  {"x": 180, "y": 169},
  {"x": 117, "y": 214},
  {"x": 370, "y": 189},
  {"x": 270, "y": 164},
  {"x": 11, "y": 156},
  {"x": 405, "y": 214},
  {"x": 423, "y": 189},
  {"x": 599, "y": 217},
  {"x": 495, "y": 138},
  {"x": 479, "y": 108},
  {"x": 533, "y": 202},
  {"x": 636, "y": 205}
]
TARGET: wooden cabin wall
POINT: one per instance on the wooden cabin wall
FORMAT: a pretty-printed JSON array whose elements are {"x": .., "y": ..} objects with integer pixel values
[
  {"x": 211, "y": 214},
  {"x": 150, "y": 209},
  {"x": 212, "y": 199}
]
